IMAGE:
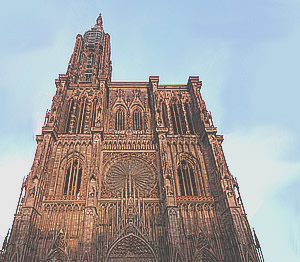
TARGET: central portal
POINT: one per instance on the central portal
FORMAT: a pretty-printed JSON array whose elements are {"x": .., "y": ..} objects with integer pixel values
[{"x": 131, "y": 248}]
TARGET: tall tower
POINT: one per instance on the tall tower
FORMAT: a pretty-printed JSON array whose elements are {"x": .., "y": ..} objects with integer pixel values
[{"x": 127, "y": 171}]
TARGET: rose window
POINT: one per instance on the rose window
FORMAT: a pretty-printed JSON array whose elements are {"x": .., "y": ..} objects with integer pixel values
[{"x": 130, "y": 177}]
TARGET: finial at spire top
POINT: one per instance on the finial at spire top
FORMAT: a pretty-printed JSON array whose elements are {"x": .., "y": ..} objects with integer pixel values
[{"x": 100, "y": 21}]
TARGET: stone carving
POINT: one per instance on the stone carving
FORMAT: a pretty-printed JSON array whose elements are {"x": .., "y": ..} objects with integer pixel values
[
  {"x": 130, "y": 177},
  {"x": 114, "y": 182},
  {"x": 131, "y": 248}
]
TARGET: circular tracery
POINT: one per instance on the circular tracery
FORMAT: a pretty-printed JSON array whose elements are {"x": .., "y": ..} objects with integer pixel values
[{"x": 130, "y": 177}]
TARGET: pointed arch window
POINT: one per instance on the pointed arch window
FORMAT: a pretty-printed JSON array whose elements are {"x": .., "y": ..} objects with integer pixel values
[
  {"x": 94, "y": 112},
  {"x": 181, "y": 119},
  {"x": 187, "y": 179},
  {"x": 195, "y": 118},
  {"x": 71, "y": 108},
  {"x": 189, "y": 118},
  {"x": 81, "y": 116},
  {"x": 173, "y": 117},
  {"x": 137, "y": 120},
  {"x": 120, "y": 120},
  {"x": 178, "y": 119},
  {"x": 73, "y": 178},
  {"x": 165, "y": 115}
]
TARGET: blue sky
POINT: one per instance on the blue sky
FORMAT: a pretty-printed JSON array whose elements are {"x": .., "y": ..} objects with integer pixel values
[{"x": 246, "y": 53}]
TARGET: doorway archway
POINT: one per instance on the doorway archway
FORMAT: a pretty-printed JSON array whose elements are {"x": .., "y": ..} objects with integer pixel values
[{"x": 131, "y": 248}]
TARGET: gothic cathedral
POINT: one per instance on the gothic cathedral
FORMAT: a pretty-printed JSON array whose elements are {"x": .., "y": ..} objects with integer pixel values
[{"x": 127, "y": 171}]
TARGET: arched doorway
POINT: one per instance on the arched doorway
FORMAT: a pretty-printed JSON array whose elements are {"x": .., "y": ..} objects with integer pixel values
[
  {"x": 57, "y": 255},
  {"x": 131, "y": 248},
  {"x": 205, "y": 255}
]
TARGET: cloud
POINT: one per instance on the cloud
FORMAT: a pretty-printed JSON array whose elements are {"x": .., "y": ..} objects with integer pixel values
[
  {"x": 269, "y": 187},
  {"x": 256, "y": 158},
  {"x": 13, "y": 167}
]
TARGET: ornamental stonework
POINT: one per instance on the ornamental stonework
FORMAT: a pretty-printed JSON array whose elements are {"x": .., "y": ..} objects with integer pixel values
[{"x": 127, "y": 171}]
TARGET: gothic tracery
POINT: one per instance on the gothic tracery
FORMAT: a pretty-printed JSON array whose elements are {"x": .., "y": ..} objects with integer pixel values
[
  {"x": 127, "y": 171},
  {"x": 131, "y": 177}
]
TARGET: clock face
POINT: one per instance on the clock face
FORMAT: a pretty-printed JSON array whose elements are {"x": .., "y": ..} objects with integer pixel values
[{"x": 130, "y": 177}]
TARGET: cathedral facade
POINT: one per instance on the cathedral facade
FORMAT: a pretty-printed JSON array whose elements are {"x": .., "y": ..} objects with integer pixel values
[{"x": 127, "y": 171}]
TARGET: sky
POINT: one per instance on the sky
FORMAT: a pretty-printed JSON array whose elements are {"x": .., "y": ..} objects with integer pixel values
[{"x": 245, "y": 52}]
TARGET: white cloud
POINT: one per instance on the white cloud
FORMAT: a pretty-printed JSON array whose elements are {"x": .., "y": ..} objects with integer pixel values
[
  {"x": 13, "y": 167},
  {"x": 255, "y": 158}
]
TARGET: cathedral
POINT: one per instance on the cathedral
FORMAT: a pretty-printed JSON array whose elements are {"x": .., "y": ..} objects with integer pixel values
[{"x": 127, "y": 171}]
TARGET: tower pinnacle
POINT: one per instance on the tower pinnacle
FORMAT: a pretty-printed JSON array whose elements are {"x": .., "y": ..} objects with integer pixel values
[{"x": 99, "y": 21}]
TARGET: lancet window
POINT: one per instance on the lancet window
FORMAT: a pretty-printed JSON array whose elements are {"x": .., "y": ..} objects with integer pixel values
[
  {"x": 73, "y": 178},
  {"x": 189, "y": 118},
  {"x": 173, "y": 117},
  {"x": 120, "y": 120},
  {"x": 195, "y": 118},
  {"x": 165, "y": 115},
  {"x": 94, "y": 113},
  {"x": 187, "y": 179},
  {"x": 81, "y": 116},
  {"x": 71, "y": 106},
  {"x": 178, "y": 119},
  {"x": 137, "y": 120},
  {"x": 181, "y": 119}
]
